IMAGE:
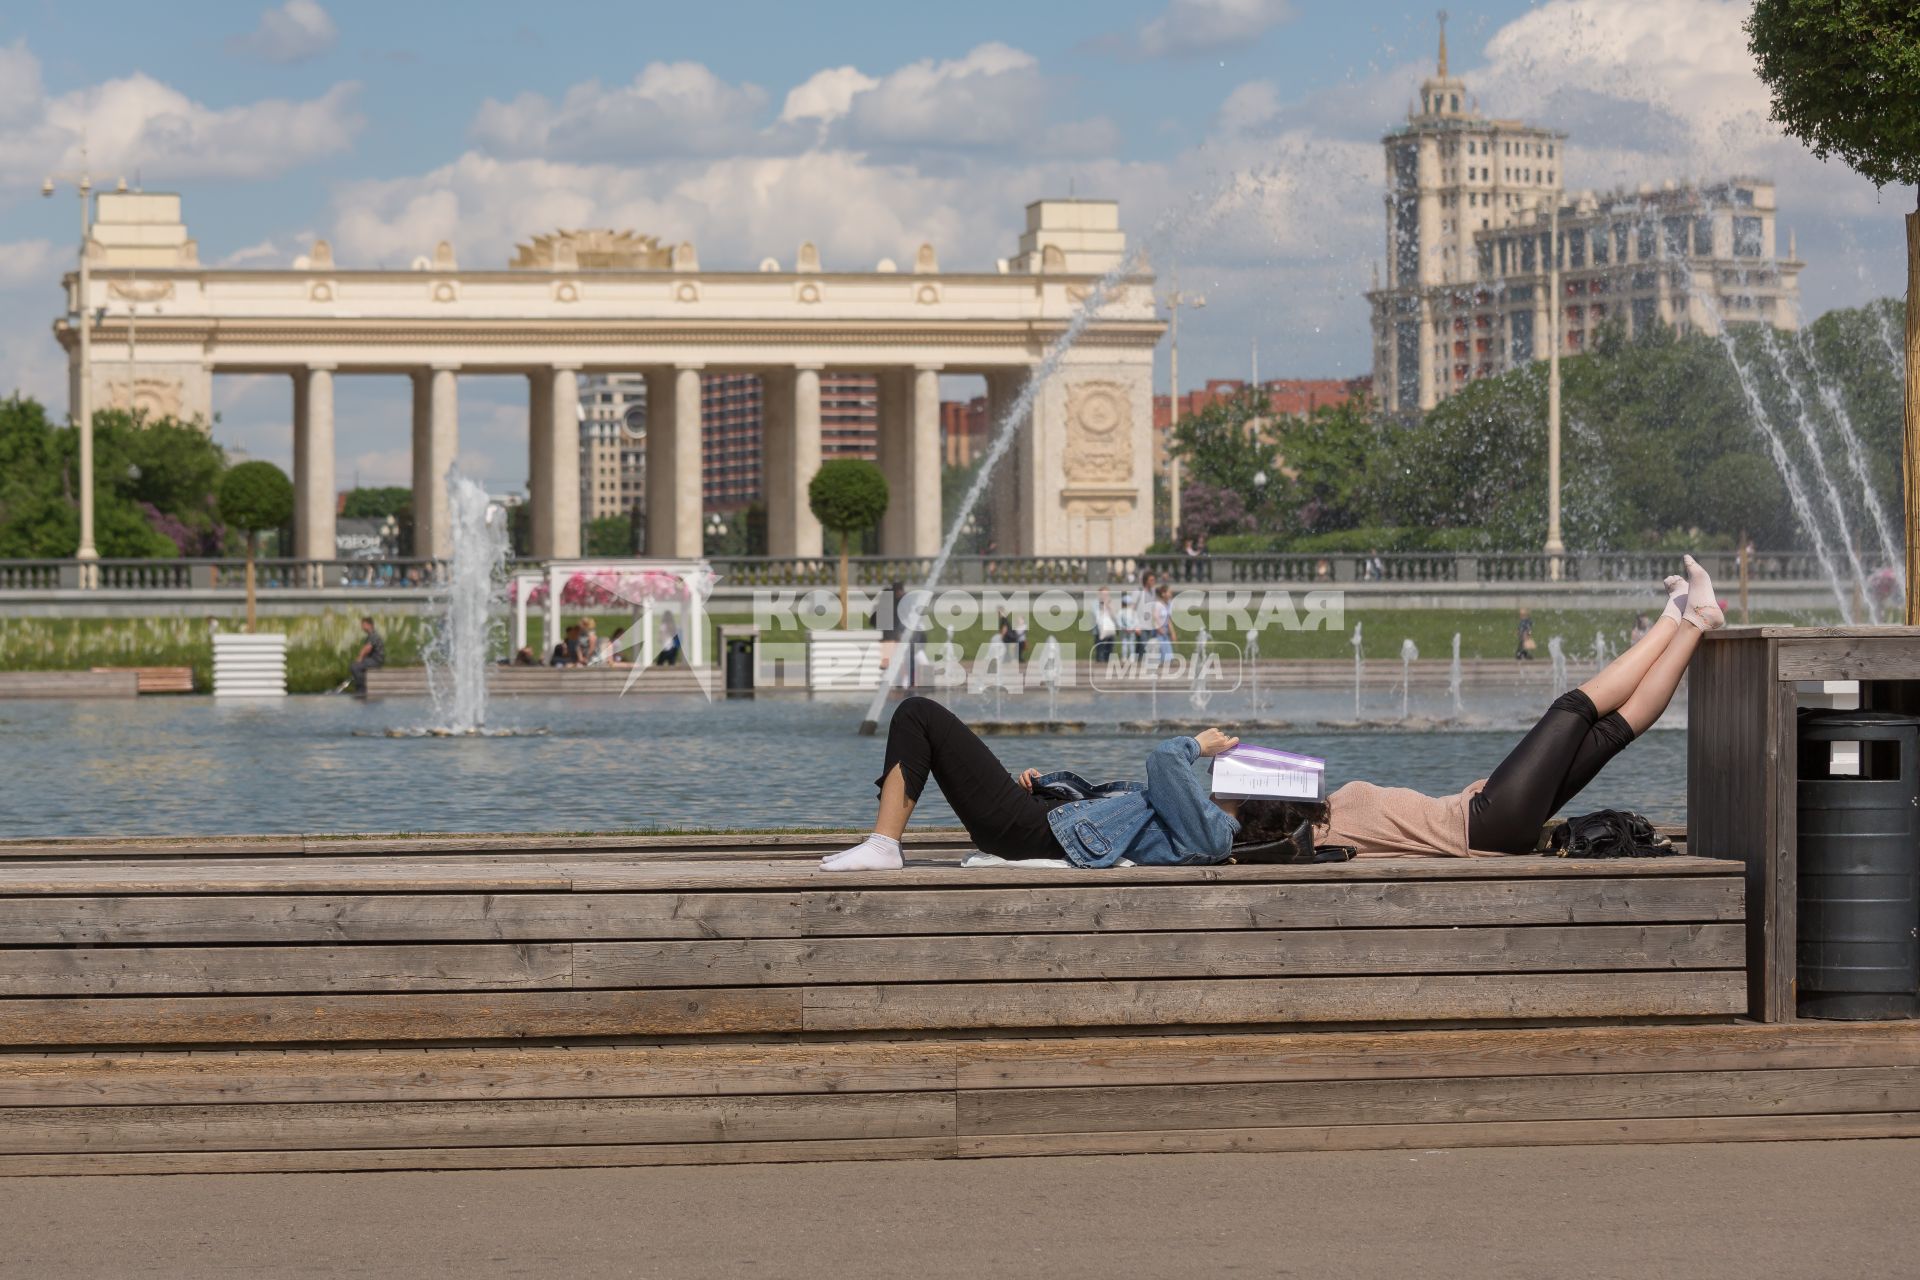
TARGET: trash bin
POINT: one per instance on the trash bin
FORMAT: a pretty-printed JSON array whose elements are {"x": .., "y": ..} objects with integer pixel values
[
  {"x": 1859, "y": 938},
  {"x": 739, "y": 666}
]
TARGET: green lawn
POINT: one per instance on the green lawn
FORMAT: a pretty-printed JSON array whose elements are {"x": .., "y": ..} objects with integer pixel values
[{"x": 320, "y": 645}]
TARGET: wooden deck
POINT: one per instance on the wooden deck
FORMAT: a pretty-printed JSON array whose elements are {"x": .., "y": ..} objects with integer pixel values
[{"x": 596, "y": 1001}]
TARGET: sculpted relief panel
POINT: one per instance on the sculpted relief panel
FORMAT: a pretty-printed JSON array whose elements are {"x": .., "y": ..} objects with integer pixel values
[{"x": 1099, "y": 434}]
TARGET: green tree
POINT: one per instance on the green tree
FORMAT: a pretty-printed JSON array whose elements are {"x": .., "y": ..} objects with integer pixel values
[
  {"x": 255, "y": 496},
  {"x": 377, "y": 502},
  {"x": 1842, "y": 74},
  {"x": 1323, "y": 461},
  {"x": 847, "y": 495},
  {"x": 610, "y": 536}
]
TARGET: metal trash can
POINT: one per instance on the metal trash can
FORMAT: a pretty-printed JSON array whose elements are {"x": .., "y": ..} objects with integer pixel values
[
  {"x": 1859, "y": 842},
  {"x": 739, "y": 666}
]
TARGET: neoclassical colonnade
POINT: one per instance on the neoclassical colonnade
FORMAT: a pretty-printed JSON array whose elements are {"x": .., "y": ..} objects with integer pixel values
[{"x": 1079, "y": 481}]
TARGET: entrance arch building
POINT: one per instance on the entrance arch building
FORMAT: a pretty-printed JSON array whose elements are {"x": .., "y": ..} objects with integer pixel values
[{"x": 1079, "y": 480}]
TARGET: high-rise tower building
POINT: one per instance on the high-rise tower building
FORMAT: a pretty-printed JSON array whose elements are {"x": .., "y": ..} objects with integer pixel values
[{"x": 1471, "y": 207}]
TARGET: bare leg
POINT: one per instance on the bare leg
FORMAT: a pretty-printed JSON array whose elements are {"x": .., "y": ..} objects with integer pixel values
[
  {"x": 1649, "y": 700},
  {"x": 881, "y": 850},
  {"x": 895, "y": 808},
  {"x": 1614, "y": 683}
]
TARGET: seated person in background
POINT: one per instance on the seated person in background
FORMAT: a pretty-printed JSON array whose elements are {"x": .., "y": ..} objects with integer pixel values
[
  {"x": 586, "y": 650},
  {"x": 567, "y": 652},
  {"x": 669, "y": 652},
  {"x": 526, "y": 657},
  {"x": 615, "y": 657},
  {"x": 373, "y": 653}
]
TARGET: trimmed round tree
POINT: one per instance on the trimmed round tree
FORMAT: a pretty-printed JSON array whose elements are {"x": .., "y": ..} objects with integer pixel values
[
  {"x": 1842, "y": 74},
  {"x": 847, "y": 495},
  {"x": 254, "y": 496}
]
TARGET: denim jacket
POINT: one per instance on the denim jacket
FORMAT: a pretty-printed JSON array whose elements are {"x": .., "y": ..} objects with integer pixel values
[{"x": 1170, "y": 821}]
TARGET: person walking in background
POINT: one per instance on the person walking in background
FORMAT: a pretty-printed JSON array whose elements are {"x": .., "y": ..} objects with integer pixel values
[
  {"x": 1129, "y": 622},
  {"x": 1523, "y": 641},
  {"x": 1640, "y": 628},
  {"x": 1163, "y": 632},
  {"x": 670, "y": 651},
  {"x": 372, "y": 654},
  {"x": 1105, "y": 628},
  {"x": 1376, "y": 567}
]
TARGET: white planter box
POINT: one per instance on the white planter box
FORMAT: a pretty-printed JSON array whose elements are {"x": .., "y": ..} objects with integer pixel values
[
  {"x": 842, "y": 661},
  {"x": 247, "y": 666}
]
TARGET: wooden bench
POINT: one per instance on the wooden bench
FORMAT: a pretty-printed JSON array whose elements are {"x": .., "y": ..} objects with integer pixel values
[
  {"x": 68, "y": 684},
  {"x": 281, "y": 1006},
  {"x": 159, "y": 679}
]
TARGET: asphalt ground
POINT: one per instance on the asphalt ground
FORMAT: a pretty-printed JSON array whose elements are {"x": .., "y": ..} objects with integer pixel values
[{"x": 1742, "y": 1211}]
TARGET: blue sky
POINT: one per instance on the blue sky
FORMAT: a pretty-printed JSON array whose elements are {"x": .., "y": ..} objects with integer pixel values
[{"x": 748, "y": 127}]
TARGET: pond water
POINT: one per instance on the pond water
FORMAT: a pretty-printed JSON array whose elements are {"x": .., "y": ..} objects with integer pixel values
[{"x": 316, "y": 764}]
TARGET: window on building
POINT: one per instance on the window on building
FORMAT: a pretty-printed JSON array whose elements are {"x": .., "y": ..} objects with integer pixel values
[
  {"x": 1646, "y": 315},
  {"x": 1520, "y": 337},
  {"x": 1619, "y": 242},
  {"x": 1527, "y": 254},
  {"x": 1703, "y": 236},
  {"x": 1576, "y": 248},
  {"x": 1549, "y": 151},
  {"x": 1644, "y": 241},
  {"x": 1748, "y": 237}
]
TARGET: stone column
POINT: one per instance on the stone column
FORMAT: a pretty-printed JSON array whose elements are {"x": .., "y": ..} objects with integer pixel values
[
  {"x": 674, "y": 488},
  {"x": 564, "y": 464},
  {"x": 1008, "y": 490},
  {"x": 539, "y": 454},
  {"x": 436, "y": 441},
  {"x": 313, "y": 496},
  {"x": 790, "y": 455},
  {"x": 926, "y": 523},
  {"x": 894, "y": 455}
]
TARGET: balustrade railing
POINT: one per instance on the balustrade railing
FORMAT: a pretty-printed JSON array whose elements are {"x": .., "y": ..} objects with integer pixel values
[{"x": 1025, "y": 572}]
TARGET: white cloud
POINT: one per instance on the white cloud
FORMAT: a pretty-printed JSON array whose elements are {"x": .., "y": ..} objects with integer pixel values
[
  {"x": 992, "y": 96},
  {"x": 1186, "y": 28},
  {"x": 826, "y": 95},
  {"x": 1253, "y": 104},
  {"x": 138, "y": 123},
  {"x": 671, "y": 108},
  {"x": 295, "y": 32}
]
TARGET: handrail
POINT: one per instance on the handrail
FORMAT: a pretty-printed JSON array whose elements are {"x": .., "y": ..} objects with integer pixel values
[{"x": 1305, "y": 569}]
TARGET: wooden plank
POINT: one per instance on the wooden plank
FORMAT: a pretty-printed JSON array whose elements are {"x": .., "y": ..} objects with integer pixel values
[
  {"x": 177, "y": 970},
  {"x": 68, "y": 684},
  {"x": 1417, "y": 1054},
  {"x": 445, "y": 1074},
  {"x": 721, "y": 844},
  {"x": 1491, "y": 1098},
  {"x": 1097, "y": 907},
  {"x": 598, "y": 1156},
  {"x": 615, "y": 874},
  {"x": 527, "y": 1121},
  {"x": 1425, "y": 998},
  {"x": 1733, "y": 710},
  {"x": 1445, "y": 1136},
  {"x": 1780, "y": 909},
  {"x": 398, "y": 917},
  {"x": 1878, "y": 657},
  {"x": 506, "y": 1015},
  {"x": 303, "y": 876},
  {"x": 1240, "y": 953}
]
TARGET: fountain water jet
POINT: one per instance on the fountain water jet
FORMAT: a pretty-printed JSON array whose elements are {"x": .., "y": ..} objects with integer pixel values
[
  {"x": 459, "y": 655},
  {"x": 1453, "y": 678},
  {"x": 1409, "y": 652},
  {"x": 1201, "y": 695},
  {"x": 1556, "y": 650},
  {"x": 1358, "y": 666}
]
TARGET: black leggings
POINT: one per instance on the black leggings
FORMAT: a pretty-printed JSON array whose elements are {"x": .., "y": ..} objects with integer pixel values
[
  {"x": 1559, "y": 756},
  {"x": 1002, "y": 816}
]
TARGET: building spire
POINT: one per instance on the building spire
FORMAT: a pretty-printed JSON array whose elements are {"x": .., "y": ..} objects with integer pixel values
[{"x": 1443, "y": 44}]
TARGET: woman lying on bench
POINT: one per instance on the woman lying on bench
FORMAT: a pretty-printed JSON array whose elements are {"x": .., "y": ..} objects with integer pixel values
[{"x": 1173, "y": 819}]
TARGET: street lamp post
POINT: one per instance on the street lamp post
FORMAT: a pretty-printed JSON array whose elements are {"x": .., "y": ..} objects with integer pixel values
[
  {"x": 83, "y": 392},
  {"x": 1173, "y": 300},
  {"x": 1555, "y": 548}
]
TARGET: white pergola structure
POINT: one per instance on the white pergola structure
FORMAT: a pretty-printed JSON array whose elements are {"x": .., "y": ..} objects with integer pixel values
[
  {"x": 637, "y": 583},
  {"x": 1079, "y": 483}
]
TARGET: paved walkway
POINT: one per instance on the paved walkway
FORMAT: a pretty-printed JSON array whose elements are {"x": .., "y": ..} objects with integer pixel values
[{"x": 1739, "y": 1211}]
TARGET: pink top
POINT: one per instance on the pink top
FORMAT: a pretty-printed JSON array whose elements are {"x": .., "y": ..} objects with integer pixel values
[{"x": 1391, "y": 822}]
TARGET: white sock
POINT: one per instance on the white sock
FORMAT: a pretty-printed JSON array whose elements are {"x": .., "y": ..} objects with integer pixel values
[
  {"x": 1703, "y": 607},
  {"x": 1676, "y": 598},
  {"x": 875, "y": 853}
]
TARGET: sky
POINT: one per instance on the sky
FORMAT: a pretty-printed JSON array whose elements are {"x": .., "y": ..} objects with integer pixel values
[{"x": 1241, "y": 137}]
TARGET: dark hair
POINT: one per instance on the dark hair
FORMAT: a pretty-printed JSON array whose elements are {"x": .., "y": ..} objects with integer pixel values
[
  {"x": 1268, "y": 823},
  {"x": 367, "y": 620}
]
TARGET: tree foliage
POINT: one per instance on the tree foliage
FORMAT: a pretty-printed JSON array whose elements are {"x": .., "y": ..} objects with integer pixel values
[
  {"x": 153, "y": 485},
  {"x": 847, "y": 495},
  {"x": 377, "y": 502},
  {"x": 1843, "y": 75},
  {"x": 255, "y": 496}
]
